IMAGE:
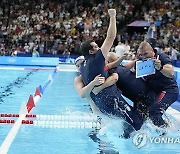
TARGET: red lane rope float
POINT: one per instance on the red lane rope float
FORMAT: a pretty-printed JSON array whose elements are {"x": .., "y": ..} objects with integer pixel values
[
  {"x": 13, "y": 121},
  {"x": 7, "y": 121},
  {"x": 16, "y": 115},
  {"x": 27, "y": 122}
]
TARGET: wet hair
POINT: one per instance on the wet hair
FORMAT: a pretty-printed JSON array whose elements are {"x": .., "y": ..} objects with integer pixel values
[{"x": 85, "y": 47}]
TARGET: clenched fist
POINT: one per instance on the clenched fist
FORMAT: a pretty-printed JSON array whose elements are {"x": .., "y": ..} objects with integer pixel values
[{"x": 112, "y": 12}]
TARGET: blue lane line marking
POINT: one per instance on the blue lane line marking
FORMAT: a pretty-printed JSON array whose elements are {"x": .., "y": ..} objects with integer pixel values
[
  {"x": 45, "y": 86},
  {"x": 42, "y": 89}
]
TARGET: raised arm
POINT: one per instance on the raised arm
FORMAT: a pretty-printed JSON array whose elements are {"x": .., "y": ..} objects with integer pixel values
[
  {"x": 114, "y": 60},
  {"x": 111, "y": 33}
]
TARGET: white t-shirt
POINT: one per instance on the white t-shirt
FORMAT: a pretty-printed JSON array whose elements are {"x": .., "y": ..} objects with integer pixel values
[{"x": 119, "y": 49}]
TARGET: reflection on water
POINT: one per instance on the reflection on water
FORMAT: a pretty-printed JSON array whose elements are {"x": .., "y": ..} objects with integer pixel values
[
  {"x": 18, "y": 82},
  {"x": 104, "y": 146}
]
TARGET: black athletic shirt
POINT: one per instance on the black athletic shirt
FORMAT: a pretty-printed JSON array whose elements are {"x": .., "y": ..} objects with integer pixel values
[
  {"x": 158, "y": 82},
  {"x": 136, "y": 89},
  {"x": 93, "y": 66}
]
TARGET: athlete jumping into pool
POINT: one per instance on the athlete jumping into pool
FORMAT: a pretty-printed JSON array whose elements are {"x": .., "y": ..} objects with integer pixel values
[{"x": 109, "y": 100}]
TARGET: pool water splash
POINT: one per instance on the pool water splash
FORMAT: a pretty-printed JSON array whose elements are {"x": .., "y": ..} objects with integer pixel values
[{"x": 140, "y": 141}]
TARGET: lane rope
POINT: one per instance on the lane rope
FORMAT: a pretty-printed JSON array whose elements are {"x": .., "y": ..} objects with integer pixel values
[{"x": 25, "y": 109}]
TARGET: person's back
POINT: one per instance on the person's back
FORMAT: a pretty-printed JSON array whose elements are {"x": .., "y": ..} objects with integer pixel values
[
  {"x": 135, "y": 89},
  {"x": 93, "y": 66}
]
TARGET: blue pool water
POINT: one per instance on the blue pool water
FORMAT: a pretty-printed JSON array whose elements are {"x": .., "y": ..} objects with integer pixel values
[{"x": 60, "y": 98}]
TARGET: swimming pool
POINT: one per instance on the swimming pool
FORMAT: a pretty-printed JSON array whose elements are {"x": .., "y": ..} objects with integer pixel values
[{"x": 60, "y": 98}]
